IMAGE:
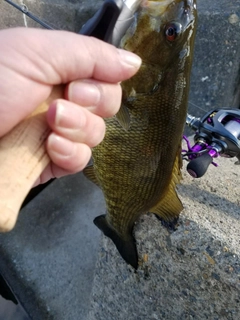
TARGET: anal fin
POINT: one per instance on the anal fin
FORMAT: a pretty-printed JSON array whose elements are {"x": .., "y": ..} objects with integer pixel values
[
  {"x": 169, "y": 206},
  {"x": 126, "y": 248}
]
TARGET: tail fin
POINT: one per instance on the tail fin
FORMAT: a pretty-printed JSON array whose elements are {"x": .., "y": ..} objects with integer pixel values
[{"x": 127, "y": 249}]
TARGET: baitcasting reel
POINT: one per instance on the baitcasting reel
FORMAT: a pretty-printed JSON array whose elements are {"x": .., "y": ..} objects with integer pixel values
[{"x": 217, "y": 134}]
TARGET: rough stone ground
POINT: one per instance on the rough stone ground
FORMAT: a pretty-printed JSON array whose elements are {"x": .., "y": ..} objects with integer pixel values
[{"x": 191, "y": 273}]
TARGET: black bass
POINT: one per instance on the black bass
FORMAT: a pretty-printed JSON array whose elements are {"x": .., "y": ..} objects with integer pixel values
[{"x": 138, "y": 164}]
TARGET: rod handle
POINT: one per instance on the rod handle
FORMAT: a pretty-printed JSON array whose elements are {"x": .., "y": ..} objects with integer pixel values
[{"x": 23, "y": 157}]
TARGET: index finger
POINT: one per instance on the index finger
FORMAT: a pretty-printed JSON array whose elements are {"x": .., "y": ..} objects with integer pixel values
[
  {"x": 61, "y": 56},
  {"x": 33, "y": 60}
]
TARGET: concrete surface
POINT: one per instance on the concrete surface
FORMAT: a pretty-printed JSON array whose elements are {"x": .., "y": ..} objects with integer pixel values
[
  {"x": 60, "y": 14},
  {"x": 10, "y": 311},
  {"x": 215, "y": 74},
  {"x": 49, "y": 258},
  {"x": 193, "y": 273}
]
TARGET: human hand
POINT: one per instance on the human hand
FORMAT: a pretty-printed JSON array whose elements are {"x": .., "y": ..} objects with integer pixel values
[{"x": 32, "y": 61}]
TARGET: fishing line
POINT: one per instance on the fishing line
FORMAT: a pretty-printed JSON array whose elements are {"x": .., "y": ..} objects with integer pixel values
[
  {"x": 24, "y": 16},
  {"x": 24, "y": 10},
  {"x": 193, "y": 104}
]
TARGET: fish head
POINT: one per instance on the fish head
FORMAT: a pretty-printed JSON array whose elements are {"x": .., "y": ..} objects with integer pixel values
[
  {"x": 162, "y": 30},
  {"x": 162, "y": 34}
]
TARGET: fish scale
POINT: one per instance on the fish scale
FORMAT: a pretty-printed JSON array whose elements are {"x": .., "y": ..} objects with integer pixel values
[{"x": 138, "y": 163}]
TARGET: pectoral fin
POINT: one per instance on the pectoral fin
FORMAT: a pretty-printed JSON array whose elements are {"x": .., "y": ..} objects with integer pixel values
[
  {"x": 126, "y": 248},
  {"x": 123, "y": 117}
]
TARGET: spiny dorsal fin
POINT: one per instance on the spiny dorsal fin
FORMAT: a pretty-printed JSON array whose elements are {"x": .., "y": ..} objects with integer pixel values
[
  {"x": 123, "y": 117},
  {"x": 90, "y": 174},
  {"x": 170, "y": 206}
]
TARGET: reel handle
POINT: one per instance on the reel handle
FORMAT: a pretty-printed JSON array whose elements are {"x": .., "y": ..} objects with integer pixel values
[
  {"x": 198, "y": 166},
  {"x": 23, "y": 157}
]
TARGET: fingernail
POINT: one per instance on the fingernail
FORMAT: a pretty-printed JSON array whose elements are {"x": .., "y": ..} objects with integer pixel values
[
  {"x": 60, "y": 145},
  {"x": 69, "y": 117},
  {"x": 87, "y": 93},
  {"x": 130, "y": 58}
]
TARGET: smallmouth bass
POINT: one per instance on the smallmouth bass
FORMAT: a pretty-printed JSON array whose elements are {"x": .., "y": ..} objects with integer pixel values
[{"x": 138, "y": 164}]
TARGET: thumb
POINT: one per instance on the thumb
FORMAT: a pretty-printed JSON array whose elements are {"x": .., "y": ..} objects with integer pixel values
[{"x": 33, "y": 60}]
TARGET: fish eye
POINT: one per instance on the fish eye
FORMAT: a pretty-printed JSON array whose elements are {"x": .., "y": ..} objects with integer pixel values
[{"x": 172, "y": 31}]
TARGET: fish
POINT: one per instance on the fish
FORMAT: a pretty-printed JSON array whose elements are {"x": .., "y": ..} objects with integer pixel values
[{"x": 138, "y": 163}]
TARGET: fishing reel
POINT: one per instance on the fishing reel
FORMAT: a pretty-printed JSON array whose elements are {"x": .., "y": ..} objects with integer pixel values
[{"x": 217, "y": 134}]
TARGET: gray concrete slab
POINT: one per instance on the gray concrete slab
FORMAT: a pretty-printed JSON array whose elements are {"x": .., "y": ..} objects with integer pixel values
[
  {"x": 61, "y": 14},
  {"x": 215, "y": 73},
  {"x": 49, "y": 258}
]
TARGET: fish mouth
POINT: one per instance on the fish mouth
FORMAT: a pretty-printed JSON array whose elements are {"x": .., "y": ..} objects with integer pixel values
[{"x": 159, "y": 7}]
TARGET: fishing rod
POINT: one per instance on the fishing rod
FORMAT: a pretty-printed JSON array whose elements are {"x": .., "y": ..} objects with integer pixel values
[
  {"x": 109, "y": 23},
  {"x": 217, "y": 133},
  {"x": 24, "y": 10}
]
